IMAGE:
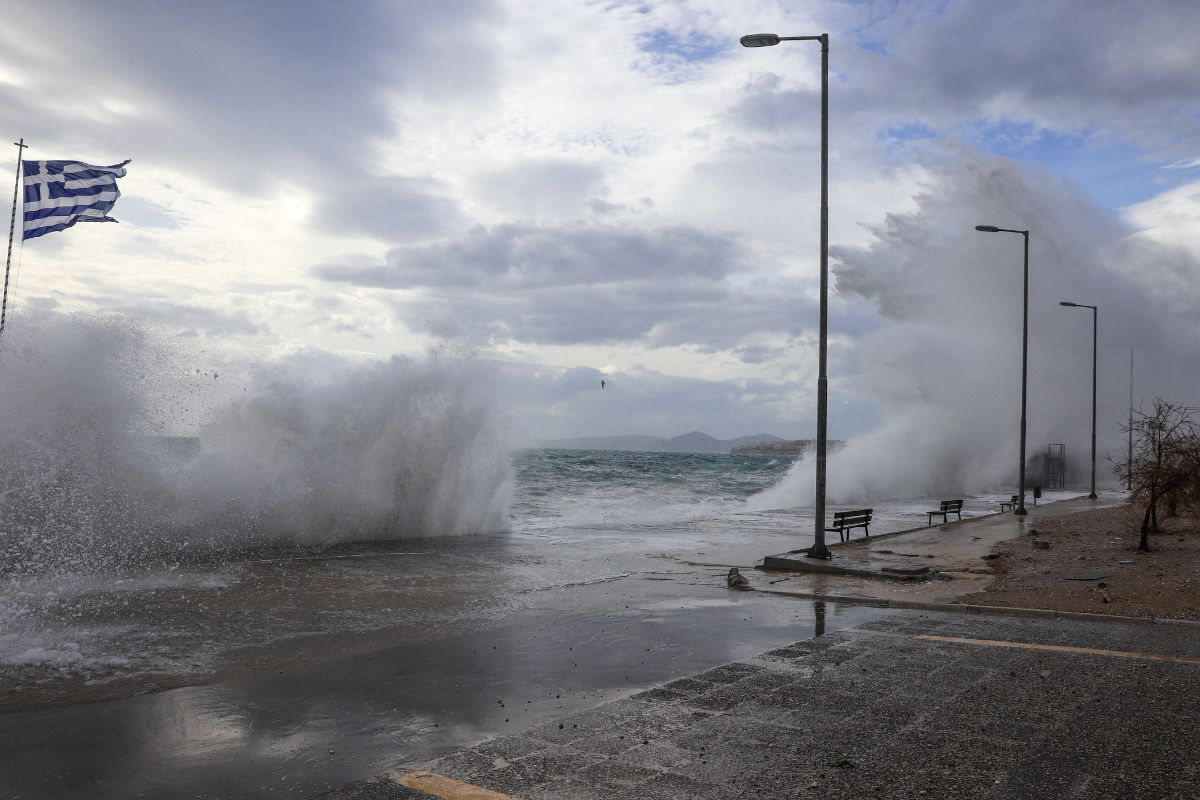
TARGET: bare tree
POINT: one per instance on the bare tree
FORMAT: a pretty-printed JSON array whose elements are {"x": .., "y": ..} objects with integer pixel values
[{"x": 1166, "y": 463}]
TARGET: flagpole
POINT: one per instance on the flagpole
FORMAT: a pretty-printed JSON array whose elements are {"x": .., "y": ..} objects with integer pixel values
[{"x": 12, "y": 222}]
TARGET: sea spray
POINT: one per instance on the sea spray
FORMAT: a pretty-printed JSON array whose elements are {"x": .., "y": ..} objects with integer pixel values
[
  {"x": 386, "y": 450},
  {"x": 78, "y": 489},
  {"x": 944, "y": 367},
  {"x": 359, "y": 451}
]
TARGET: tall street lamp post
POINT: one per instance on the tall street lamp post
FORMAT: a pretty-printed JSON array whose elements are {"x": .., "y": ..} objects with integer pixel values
[
  {"x": 818, "y": 549},
  {"x": 1129, "y": 463},
  {"x": 1095, "y": 314},
  {"x": 1129, "y": 477},
  {"x": 1020, "y": 509}
]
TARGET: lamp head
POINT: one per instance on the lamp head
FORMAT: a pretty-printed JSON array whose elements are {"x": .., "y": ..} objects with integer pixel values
[
  {"x": 760, "y": 40},
  {"x": 1068, "y": 304},
  {"x": 987, "y": 228}
]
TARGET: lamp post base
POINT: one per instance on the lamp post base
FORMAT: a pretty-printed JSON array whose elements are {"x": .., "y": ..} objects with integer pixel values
[
  {"x": 1092, "y": 496},
  {"x": 818, "y": 551},
  {"x": 1020, "y": 512}
]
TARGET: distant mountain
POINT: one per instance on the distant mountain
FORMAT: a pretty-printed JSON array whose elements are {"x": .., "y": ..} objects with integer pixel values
[
  {"x": 758, "y": 438},
  {"x": 694, "y": 442}
]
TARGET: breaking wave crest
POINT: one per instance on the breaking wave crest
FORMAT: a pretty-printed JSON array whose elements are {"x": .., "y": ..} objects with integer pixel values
[
  {"x": 116, "y": 449},
  {"x": 943, "y": 365}
]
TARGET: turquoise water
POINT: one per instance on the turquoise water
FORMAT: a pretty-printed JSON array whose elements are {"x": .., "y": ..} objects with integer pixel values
[{"x": 601, "y": 488}]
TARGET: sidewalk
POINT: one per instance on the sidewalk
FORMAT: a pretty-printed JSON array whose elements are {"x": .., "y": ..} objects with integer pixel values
[
  {"x": 954, "y": 554},
  {"x": 912, "y": 705}
]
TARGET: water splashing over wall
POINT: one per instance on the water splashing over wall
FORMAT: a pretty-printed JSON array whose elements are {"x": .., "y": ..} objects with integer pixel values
[
  {"x": 944, "y": 364},
  {"x": 356, "y": 452}
]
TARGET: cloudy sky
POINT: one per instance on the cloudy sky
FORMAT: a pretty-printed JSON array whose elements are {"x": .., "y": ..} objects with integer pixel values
[{"x": 584, "y": 189}]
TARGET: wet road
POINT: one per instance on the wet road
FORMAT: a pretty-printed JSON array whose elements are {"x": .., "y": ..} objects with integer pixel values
[
  {"x": 83, "y": 637},
  {"x": 329, "y": 723},
  {"x": 910, "y": 705}
]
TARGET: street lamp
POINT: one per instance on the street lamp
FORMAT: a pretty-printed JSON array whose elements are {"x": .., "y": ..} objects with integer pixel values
[
  {"x": 818, "y": 549},
  {"x": 1129, "y": 477},
  {"x": 1095, "y": 314},
  {"x": 1020, "y": 509}
]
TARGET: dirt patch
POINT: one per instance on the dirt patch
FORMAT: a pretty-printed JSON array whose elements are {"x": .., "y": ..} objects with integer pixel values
[{"x": 1089, "y": 562}]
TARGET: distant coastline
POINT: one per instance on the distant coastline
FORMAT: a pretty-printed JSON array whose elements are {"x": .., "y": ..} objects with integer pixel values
[
  {"x": 694, "y": 442},
  {"x": 785, "y": 447}
]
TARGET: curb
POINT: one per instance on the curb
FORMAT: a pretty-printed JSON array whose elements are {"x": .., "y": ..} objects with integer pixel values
[
  {"x": 964, "y": 608},
  {"x": 891, "y": 534}
]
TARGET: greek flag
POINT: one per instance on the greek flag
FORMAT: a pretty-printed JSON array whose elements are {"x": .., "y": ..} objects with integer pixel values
[{"x": 60, "y": 193}]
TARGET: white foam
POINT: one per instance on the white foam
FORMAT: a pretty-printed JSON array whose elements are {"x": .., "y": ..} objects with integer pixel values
[
  {"x": 312, "y": 448},
  {"x": 944, "y": 367}
]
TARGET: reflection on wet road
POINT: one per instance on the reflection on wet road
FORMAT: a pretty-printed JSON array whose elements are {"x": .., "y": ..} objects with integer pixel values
[{"x": 329, "y": 723}]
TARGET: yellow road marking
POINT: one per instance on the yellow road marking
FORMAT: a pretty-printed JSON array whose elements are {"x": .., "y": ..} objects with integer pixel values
[
  {"x": 1060, "y": 648},
  {"x": 446, "y": 788}
]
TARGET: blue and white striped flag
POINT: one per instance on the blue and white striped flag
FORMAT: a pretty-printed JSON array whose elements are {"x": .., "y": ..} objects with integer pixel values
[{"x": 60, "y": 193}]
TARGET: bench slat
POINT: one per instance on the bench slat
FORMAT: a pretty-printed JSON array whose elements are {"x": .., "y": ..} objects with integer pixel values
[
  {"x": 946, "y": 508},
  {"x": 843, "y": 521}
]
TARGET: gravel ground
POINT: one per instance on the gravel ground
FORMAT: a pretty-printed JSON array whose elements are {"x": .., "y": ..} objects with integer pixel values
[{"x": 1036, "y": 570}]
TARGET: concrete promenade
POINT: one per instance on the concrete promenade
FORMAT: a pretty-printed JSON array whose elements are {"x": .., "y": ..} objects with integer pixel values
[{"x": 912, "y": 705}]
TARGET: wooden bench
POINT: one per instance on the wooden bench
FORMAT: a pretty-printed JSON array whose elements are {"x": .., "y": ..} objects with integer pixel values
[
  {"x": 1005, "y": 505},
  {"x": 947, "y": 507},
  {"x": 843, "y": 521}
]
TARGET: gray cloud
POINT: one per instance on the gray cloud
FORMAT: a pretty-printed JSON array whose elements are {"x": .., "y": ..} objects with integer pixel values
[
  {"x": 580, "y": 284},
  {"x": 1072, "y": 65},
  {"x": 538, "y": 188},
  {"x": 1095, "y": 68},
  {"x": 388, "y": 207},
  {"x": 766, "y": 105},
  {"x": 253, "y": 95},
  {"x": 520, "y": 256}
]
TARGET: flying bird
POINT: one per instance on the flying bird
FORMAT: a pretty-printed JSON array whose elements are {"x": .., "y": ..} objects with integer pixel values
[{"x": 601, "y": 383}]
